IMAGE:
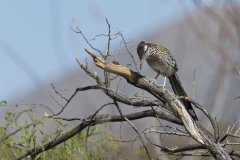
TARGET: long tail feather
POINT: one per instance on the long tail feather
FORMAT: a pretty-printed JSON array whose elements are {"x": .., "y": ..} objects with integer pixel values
[{"x": 179, "y": 90}]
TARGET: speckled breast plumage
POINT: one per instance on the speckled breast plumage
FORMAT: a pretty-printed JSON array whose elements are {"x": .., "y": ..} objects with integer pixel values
[{"x": 160, "y": 59}]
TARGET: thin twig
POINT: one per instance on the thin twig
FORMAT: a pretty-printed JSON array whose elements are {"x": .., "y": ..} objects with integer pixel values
[
  {"x": 58, "y": 93},
  {"x": 113, "y": 36},
  {"x": 91, "y": 121},
  {"x": 109, "y": 37},
  {"x": 194, "y": 83},
  {"x": 118, "y": 108},
  {"x": 140, "y": 137},
  {"x": 88, "y": 128},
  {"x": 107, "y": 74},
  {"x": 86, "y": 40},
  {"x": 63, "y": 118},
  {"x": 73, "y": 95},
  {"x": 128, "y": 51}
]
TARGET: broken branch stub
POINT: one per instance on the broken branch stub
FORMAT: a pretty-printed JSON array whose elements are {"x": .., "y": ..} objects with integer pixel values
[
  {"x": 140, "y": 81},
  {"x": 164, "y": 96}
]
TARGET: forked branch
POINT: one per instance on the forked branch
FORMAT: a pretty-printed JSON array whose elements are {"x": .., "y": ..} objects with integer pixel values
[{"x": 165, "y": 97}]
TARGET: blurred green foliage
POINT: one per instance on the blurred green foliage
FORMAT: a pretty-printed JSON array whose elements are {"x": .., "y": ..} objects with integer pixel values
[
  {"x": 16, "y": 139},
  {"x": 3, "y": 103}
]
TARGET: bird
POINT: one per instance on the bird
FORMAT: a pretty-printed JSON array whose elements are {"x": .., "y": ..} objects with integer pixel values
[{"x": 160, "y": 59}]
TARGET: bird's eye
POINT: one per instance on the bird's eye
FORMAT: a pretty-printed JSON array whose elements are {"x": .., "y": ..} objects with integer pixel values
[{"x": 140, "y": 47}]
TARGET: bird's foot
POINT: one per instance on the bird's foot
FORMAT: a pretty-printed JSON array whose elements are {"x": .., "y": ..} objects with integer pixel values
[{"x": 152, "y": 81}]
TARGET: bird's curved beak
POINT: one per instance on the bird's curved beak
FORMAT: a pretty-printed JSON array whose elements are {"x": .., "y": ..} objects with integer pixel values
[{"x": 145, "y": 48}]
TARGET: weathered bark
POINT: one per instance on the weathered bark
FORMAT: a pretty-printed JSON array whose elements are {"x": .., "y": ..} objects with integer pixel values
[{"x": 217, "y": 151}]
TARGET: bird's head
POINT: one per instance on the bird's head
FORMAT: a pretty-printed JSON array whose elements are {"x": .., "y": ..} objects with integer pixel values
[{"x": 141, "y": 51}]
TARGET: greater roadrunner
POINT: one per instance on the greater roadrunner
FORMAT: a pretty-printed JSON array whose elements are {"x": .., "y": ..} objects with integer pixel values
[{"x": 160, "y": 60}]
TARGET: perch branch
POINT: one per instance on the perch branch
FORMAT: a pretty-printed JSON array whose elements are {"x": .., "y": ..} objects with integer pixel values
[
  {"x": 95, "y": 120},
  {"x": 217, "y": 151}
]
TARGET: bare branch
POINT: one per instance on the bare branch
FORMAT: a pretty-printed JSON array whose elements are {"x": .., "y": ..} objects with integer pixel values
[
  {"x": 140, "y": 137},
  {"x": 230, "y": 132},
  {"x": 194, "y": 83},
  {"x": 235, "y": 153},
  {"x": 118, "y": 108},
  {"x": 203, "y": 109},
  {"x": 159, "y": 91},
  {"x": 128, "y": 51},
  {"x": 16, "y": 131},
  {"x": 109, "y": 38},
  {"x": 58, "y": 93},
  {"x": 95, "y": 120},
  {"x": 86, "y": 40},
  {"x": 73, "y": 95},
  {"x": 94, "y": 76},
  {"x": 173, "y": 132},
  {"x": 119, "y": 96},
  {"x": 63, "y": 118},
  {"x": 183, "y": 148},
  {"x": 162, "y": 94}
]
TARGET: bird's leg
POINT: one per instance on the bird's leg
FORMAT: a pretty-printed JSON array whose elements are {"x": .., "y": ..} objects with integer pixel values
[
  {"x": 164, "y": 82},
  {"x": 157, "y": 76},
  {"x": 154, "y": 80}
]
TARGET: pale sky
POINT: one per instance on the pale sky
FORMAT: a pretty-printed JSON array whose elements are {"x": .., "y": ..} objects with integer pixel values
[{"x": 37, "y": 44}]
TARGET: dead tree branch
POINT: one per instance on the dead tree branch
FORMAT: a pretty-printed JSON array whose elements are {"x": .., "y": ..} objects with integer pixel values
[
  {"x": 162, "y": 94},
  {"x": 95, "y": 120}
]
